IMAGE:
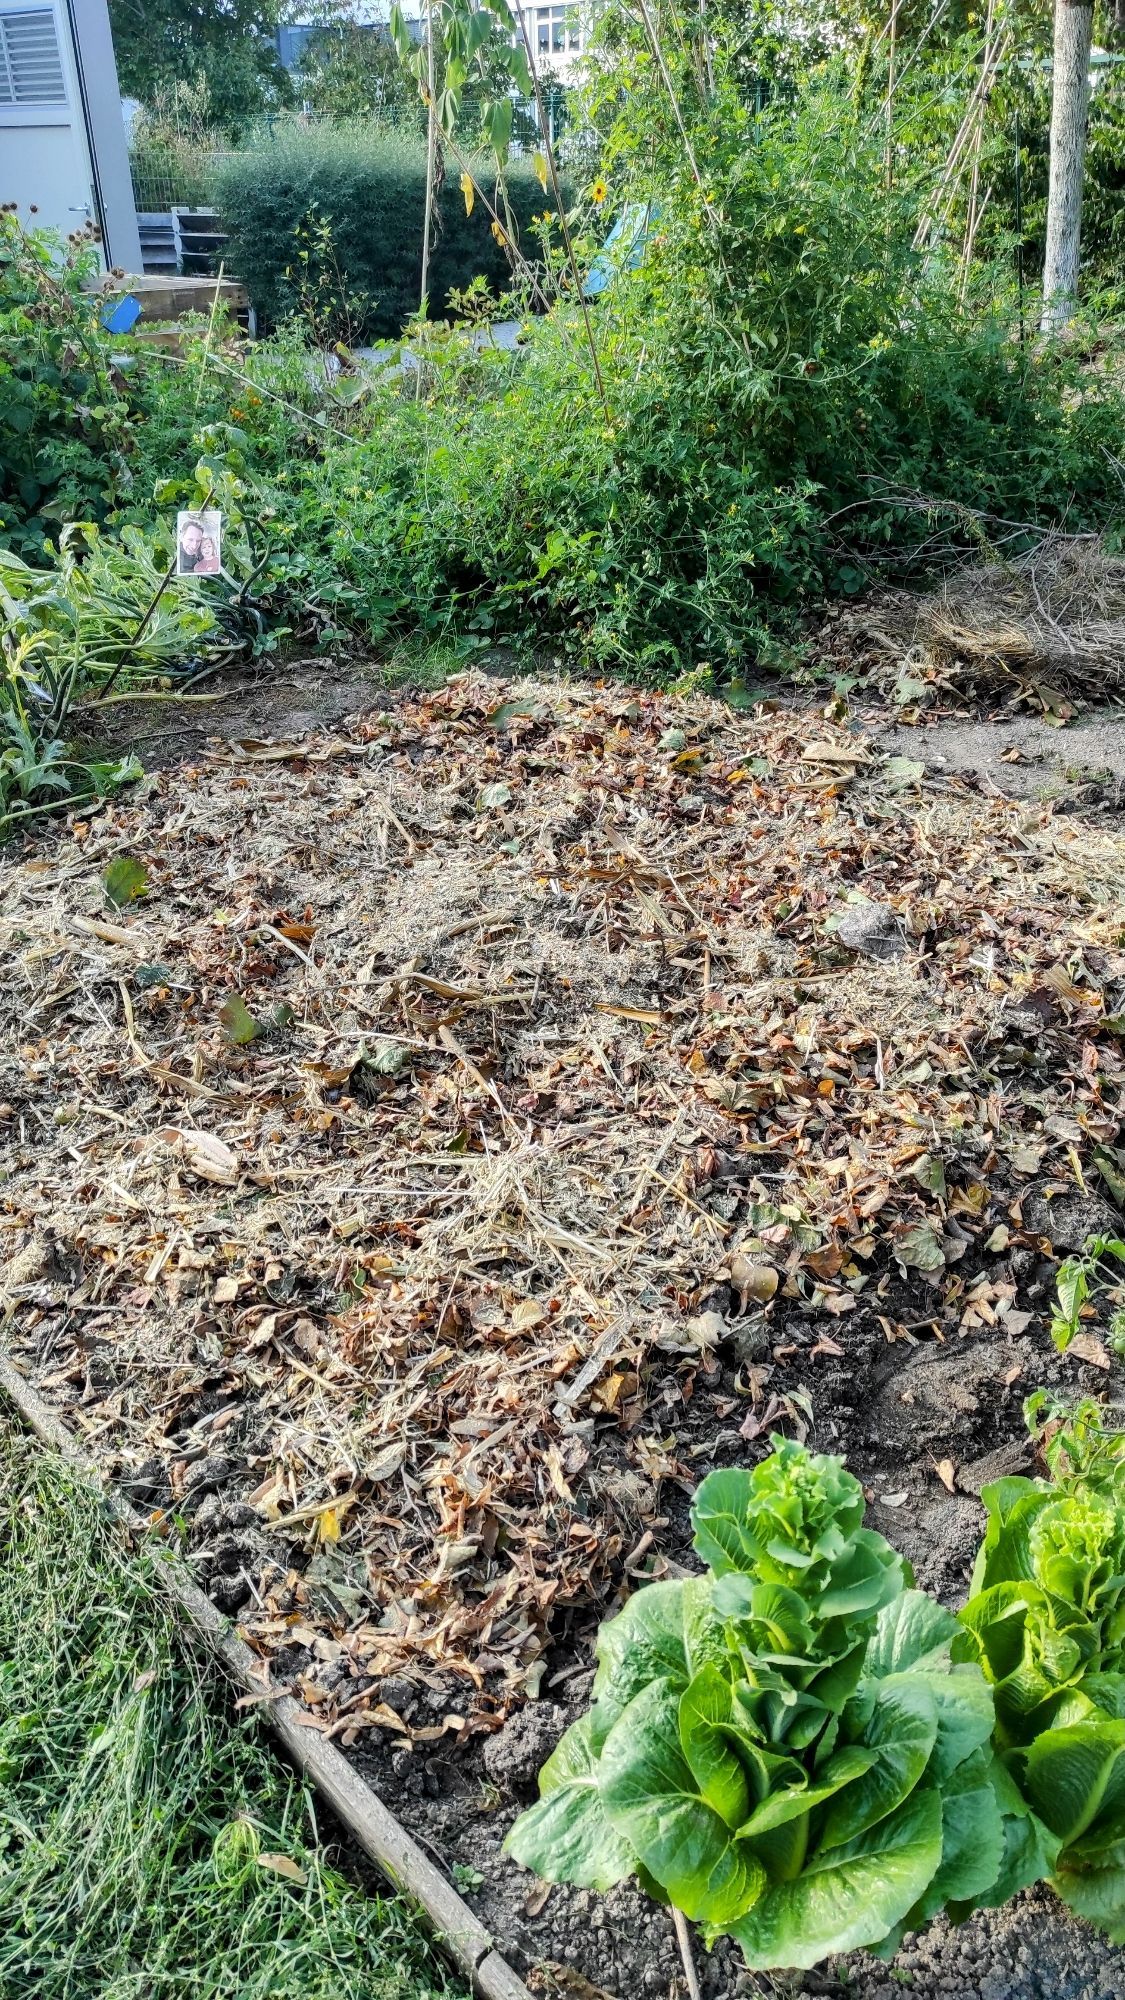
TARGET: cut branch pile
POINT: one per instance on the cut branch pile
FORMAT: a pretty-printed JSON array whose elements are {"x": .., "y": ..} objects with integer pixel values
[{"x": 380, "y": 1177}]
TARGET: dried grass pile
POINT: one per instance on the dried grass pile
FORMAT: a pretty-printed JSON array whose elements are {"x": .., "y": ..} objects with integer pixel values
[{"x": 1043, "y": 629}]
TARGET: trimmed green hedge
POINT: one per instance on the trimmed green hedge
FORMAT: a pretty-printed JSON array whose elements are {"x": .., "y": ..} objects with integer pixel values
[{"x": 370, "y": 186}]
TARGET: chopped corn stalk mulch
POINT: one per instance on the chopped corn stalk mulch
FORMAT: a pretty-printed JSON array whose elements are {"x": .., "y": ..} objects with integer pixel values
[{"x": 428, "y": 1099}]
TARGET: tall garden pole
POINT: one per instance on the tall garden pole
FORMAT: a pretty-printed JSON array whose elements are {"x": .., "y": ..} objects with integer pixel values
[
  {"x": 552, "y": 169},
  {"x": 431, "y": 154},
  {"x": 892, "y": 79},
  {"x": 1070, "y": 104}
]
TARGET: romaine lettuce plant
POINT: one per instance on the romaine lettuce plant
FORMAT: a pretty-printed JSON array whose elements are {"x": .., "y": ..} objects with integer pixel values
[
  {"x": 782, "y": 1747},
  {"x": 1046, "y": 1623}
]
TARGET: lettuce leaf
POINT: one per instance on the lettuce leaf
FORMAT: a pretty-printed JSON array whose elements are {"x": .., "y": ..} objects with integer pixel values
[
  {"x": 847, "y": 1896},
  {"x": 651, "y": 1798},
  {"x": 566, "y": 1836}
]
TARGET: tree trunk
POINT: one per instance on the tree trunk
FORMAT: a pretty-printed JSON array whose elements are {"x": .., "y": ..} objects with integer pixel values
[{"x": 1070, "y": 101}]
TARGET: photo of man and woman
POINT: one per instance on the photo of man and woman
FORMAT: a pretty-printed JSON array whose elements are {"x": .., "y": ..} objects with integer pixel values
[{"x": 199, "y": 543}]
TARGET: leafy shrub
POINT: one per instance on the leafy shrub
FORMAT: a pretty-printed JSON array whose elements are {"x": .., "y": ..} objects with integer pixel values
[
  {"x": 1046, "y": 1624},
  {"x": 369, "y": 187},
  {"x": 783, "y": 1748},
  {"x": 784, "y": 378},
  {"x": 63, "y": 425},
  {"x": 1076, "y": 1278}
]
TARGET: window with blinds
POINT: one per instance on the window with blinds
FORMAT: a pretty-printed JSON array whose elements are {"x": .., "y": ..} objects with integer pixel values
[{"x": 31, "y": 69}]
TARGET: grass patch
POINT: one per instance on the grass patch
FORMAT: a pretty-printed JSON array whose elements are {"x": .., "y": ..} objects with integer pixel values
[{"x": 142, "y": 1834}]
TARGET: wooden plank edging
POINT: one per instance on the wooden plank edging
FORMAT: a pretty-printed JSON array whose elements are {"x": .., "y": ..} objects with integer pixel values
[{"x": 375, "y": 1829}]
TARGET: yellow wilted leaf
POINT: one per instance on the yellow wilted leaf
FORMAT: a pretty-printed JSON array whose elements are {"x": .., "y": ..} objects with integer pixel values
[
  {"x": 329, "y": 1524},
  {"x": 539, "y": 162},
  {"x": 751, "y": 1280},
  {"x": 281, "y": 1864},
  {"x": 469, "y": 192},
  {"x": 498, "y": 232}
]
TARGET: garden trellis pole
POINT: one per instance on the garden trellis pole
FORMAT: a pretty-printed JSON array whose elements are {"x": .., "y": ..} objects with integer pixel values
[
  {"x": 431, "y": 154},
  {"x": 552, "y": 169},
  {"x": 972, "y": 220}
]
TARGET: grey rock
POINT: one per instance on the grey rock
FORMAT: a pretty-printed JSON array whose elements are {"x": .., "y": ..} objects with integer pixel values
[
  {"x": 210, "y": 1514},
  {"x": 148, "y": 1481},
  {"x": 397, "y": 1692},
  {"x": 873, "y": 928}
]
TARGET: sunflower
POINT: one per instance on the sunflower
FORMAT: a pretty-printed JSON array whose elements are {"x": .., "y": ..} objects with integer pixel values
[{"x": 598, "y": 192}]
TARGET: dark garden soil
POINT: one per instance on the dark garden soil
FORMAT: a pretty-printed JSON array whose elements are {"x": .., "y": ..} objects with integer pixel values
[{"x": 381, "y": 1184}]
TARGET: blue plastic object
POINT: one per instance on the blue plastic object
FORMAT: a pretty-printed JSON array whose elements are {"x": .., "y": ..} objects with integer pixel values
[
  {"x": 624, "y": 247},
  {"x": 122, "y": 315}
]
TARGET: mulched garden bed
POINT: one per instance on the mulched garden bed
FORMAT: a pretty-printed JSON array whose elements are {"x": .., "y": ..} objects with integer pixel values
[{"x": 491, "y": 1117}]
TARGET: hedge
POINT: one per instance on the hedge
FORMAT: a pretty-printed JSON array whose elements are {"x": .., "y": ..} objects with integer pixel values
[{"x": 370, "y": 186}]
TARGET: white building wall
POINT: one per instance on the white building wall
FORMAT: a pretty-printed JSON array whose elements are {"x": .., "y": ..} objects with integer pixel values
[{"x": 63, "y": 155}]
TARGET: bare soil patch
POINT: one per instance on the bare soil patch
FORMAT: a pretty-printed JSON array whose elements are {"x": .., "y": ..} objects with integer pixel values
[
  {"x": 416, "y": 1314},
  {"x": 278, "y": 698},
  {"x": 1022, "y": 757}
]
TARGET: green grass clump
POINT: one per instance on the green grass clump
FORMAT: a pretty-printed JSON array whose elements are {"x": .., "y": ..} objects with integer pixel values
[{"x": 135, "y": 1815}]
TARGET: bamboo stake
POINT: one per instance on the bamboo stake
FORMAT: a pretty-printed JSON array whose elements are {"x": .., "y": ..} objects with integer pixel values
[
  {"x": 970, "y": 241},
  {"x": 552, "y": 169},
  {"x": 683, "y": 1939},
  {"x": 363, "y": 1813},
  {"x": 947, "y": 179},
  {"x": 978, "y": 143},
  {"x": 919, "y": 45},
  {"x": 206, "y": 354},
  {"x": 689, "y": 153},
  {"x": 892, "y": 62},
  {"x": 431, "y": 151},
  {"x": 522, "y": 263}
]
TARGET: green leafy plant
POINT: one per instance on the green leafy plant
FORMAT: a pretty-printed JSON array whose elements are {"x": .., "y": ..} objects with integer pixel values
[
  {"x": 323, "y": 299},
  {"x": 125, "y": 881},
  {"x": 782, "y": 1747},
  {"x": 1045, "y": 1622},
  {"x": 238, "y": 1023},
  {"x": 64, "y": 424},
  {"x": 1075, "y": 1280}
]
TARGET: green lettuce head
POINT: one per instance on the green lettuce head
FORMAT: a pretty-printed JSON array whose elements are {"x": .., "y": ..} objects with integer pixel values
[
  {"x": 1046, "y": 1624},
  {"x": 783, "y": 1747}
]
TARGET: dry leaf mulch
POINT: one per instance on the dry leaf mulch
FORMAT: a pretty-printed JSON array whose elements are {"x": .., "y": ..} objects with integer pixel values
[{"x": 458, "y": 1084}]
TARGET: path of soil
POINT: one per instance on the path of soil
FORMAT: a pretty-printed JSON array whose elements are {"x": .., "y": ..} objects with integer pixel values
[{"x": 902, "y": 1377}]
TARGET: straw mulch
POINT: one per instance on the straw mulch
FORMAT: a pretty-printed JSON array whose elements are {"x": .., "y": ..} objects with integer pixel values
[{"x": 378, "y": 1182}]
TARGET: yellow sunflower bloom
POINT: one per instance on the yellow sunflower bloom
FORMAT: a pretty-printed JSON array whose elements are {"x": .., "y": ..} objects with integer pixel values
[{"x": 598, "y": 192}]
